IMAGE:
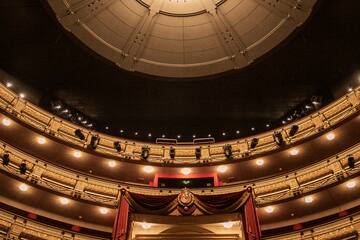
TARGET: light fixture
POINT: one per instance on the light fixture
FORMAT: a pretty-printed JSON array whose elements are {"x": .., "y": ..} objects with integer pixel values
[
  {"x": 94, "y": 141},
  {"x": 330, "y": 136},
  {"x": 149, "y": 135},
  {"x": 269, "y": 209},
  {"x": 278, "y": 138},
  {"x": 237, "y": 132},
  {"x": 112, "y": 163},
  {"x": 77, "y": 154},
  {"x": 103, "y": 210},
  {"x": 351, "y": 184},
  {"x": 224, "y": 134},
  {"x": 228, "y": 151},
  {"x": 6, "y": 159},
  {"x": 172, "y": 152},
  {"x": 209, "y": 135},
  {"x": 148, "y": 169},
  {"x": 260, "y": 162},
  {"x": 23, "y": 187},
  {"x": 228, "y": 224},
  {"x": 222, "y": 169},
  {"x": 267, "y": 125},
  {"x": 194, "y": 136},
  {"x": 6, "y": 122},
  {"x": 9, "y": 84},
  {"x": 254, "y": 142},
  {"x": 64, "y": 201},
  {"x": 178, "y": 136},
  {"x": 252, "y": 129},
  {"x": 198, "y": 153},
  {"x": 79, "y": 134},
  {"x": 163, "y": 136},
  {"x": 145, "y": 151},
  {"x": 41, "y": 140},
  {"x": 22, "y": 95},
  {"x": 294, "y": 152},
  {"x": 117, "y": 146},
  {"x": 308, "y": 199},
  {"x": 107, "y": 128},
  {"x": 293, "y": 130},
  {"x": 121, "y": 131},
  {"x": 350, "y": 89},
  {"x": 186, "y": 171},
  {"x": 22, "y": 168},
  {"x": 145, "y": 225},
  {"x": 351, "y": 162},
  {"x": 136, "y": 133}
]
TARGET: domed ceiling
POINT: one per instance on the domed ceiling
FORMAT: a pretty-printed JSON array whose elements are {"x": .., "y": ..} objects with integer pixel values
[{"x": 182, "y": 38}]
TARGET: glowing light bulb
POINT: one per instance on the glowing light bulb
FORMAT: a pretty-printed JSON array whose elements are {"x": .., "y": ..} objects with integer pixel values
[
  {"x": 22, "y": 95},
  {"x": 41, "y": 140},
  {"x": 145, "y": 225},
  {"x": 112, "y": 163},
  {"x": 6, "y": 122},
  {"x": 23, "y": 187},
  {"x": 228, "y": 224},
  {"x": 308, "y": 199},
  {"x": 103, "y": 210},
  {"x": 330, "y": 136},
  {"x": 186, "y": 171},
  {"x": 222, "y": 169},
  {"x": 77, "y": 153},
  {"x": 351, "y": 184},
  {"x": 269, "y": 209},
  {"x": 64, "y": 201},
  {"x": 148, "y": 169},
  {"x": 260, "y": 162},
  {"x": 294, "y": 152}
]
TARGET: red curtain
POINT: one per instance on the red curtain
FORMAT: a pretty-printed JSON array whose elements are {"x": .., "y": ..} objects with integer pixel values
[
  {"x": 250, "y": 221},
  {"x": 121, "y": 221}
]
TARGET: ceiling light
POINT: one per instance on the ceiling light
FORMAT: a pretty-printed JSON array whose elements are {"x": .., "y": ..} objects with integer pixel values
[
  {"x": 79, "y": 134},
  {"x": 145, "y": 151},
  {"x": 148, "y": 169},
  {"x": 103, "y": 210},
  {"x": 145, "y": 225},
  {"x": 269, "y": 209},
  {"x": 41, "y": 140},
  {"x": 136, "y": 133},
  {"x": 163, "y": 136},
  {"x": 228, "y": 151},
  {"x": 23, "y": 187},
  {"x": 267, "y": 125},
  {"x": 186, "y": 171},
  {"x": 351, "y": 184},
  {"x": 330, "y": 136},
  {"x": 117, "y": 146},
  {"x": 194, "y": 136},
  {"x": 178, "y": 136},
  {"x": 64, "y": 201},
  {"x": 222, "y": 169},
  {"x": 228, "y": 224},
  {"x": 149, "y": 135},
  {"x": 237, "y": 132},
  {"x": 107, "y": 128},
  {"x": 22, "y": 95},
  {"x": 121, "y": 131},
  {"x": 308, "y": 199},
  {"x": 172, "y": 152},
  {"x": 260, "y": 162},
  {"x": 112, "y": 163},
  {"x": 9, "y": 84},
  {"x": 293, "y": 130},
  {"x": 209, "y": 135},
  {"x": 254, "y": 142},
  {"x": 252, "y": 129},
  {"x": 350, "y": 89},
  {"x": 224, "y": 134},
  {"x": 77, "y": 153},
  {"x": 6, "y": 122},
  {"x": 294, "y": 152}
]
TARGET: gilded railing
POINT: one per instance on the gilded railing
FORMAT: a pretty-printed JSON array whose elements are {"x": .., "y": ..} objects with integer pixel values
[
  {"x": 327, "y": 117},
  {"x": 106, "y": 192}
]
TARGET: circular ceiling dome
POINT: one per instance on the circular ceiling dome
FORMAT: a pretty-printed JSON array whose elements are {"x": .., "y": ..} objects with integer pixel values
[{"x": 182, "y": 38}]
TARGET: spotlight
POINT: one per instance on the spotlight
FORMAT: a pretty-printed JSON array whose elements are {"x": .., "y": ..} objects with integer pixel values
[
  {"x": 278, "y": 138},
  {"x": 293, "y": 130},
  {"x": 22, "y": 168},
  {"x": 228, "y": 151},
  {"x": 79, "y": 134},
  {"x": 172, "y": 152},
  {"x": 254, "y": 143},
  {"x": 145, "y": 153},
  {"x": 22, "y": 95},
  {"x": 9, "y": 84},
  {"x": 95, "y": 139},
  {"x": 198, "y": 153},
  {"x": 351, "y": 162},
  {"x": 5, "y": 159},
  {"x": 117, "y": 146}
]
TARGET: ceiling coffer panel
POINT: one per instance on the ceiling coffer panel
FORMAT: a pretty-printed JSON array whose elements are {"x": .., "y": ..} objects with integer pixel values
[{"x": 182, "y": 39}]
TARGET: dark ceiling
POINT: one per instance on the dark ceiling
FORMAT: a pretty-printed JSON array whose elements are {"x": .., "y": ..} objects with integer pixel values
[{"x": 323, "y": 57}]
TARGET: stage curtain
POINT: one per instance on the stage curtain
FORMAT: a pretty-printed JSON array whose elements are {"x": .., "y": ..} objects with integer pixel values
[
  {"x": 250, "y": 221},
  {"x": 121, "y": 222}
]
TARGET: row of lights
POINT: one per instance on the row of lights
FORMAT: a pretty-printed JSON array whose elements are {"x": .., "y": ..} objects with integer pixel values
[
  {"x": 309, "y": 199},
  {"x": 62, "y": 200}
]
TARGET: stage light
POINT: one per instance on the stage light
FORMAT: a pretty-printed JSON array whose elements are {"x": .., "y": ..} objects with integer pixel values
[
  {"x": 278, "y": 138},
  {"x": 41, "y": 140},
  {"x": 254, "y": 142},
  {"x": 351, "y": 184},
  {"x": 228, "y": 151},
  {"x": 198, "y": 153},
  {"x": 260, "y": 162},
  {"x": 294, "y": 152},
  {"x": 228, "y": 224},
  {"x": 222, "y": 169},
  {"x": 293, "y": 130},
  {"x": 330, "y": 136},
  {"x": 6, "y": 159},
  {"x": 172, "y": 152},
  {"x": 117, "y": 146},
  {"x": 94, "y": 141},
  {"x": 308, "y": 199},
  {"x": 148, "y": 169},
  {"x": 23, "y": 187},
  {"x": 79, "y": 134},
  {"x": 186, "y": 171},
  {"x": 64, "y": 201},
  {"x": 9, "y": 84},
  {"x": 6, "y": 122},
  {"x": 112, "y": 163},
  {"x": 351, "y": 162},
  {"x": 269, "y": 209},
  {"x": 145, "y": 225},
  {"x": 22, "y": 95},
  {"x": 145, "y": 151},
  {"x": 103, "y": 210},
  {"x": 77, "y": 154},
  {"x": 22, "y": 168}
]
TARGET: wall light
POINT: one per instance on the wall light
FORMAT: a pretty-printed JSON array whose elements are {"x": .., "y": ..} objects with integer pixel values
[
  {"x": 64, "y": 201},
  {"x": 186, "y": 171},
  {"x": 222, "y": 169},
  {"x": 228, "y": 224},
  {"x": 351, "y": 184},
  {"x": 6, "y": 122},
  {"x": 269, "y": 209},
  {"x": 77, "y": 154},
  {"x": 145, "y": 225},
  {"x": 112, "y": 163},
  {"x": 41, "y": 140},
  {"x": 22, "y": 95},
  {"x": 294, "y": 152},
  {"x": 148, "y": 169},
  {"x": 103, "y": 210},
  {"x": 308, "y": 199},
  {"x": 23, "y": 187},
  {"x": 330, "y": 136},
  {"x": 260, "y": 162}
]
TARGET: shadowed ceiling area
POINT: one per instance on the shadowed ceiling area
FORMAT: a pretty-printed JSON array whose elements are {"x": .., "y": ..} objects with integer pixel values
[{"x": 320, "y": 58}]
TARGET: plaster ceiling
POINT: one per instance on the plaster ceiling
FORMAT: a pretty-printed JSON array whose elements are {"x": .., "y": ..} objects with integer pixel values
[{"x": 173, "y": 38}]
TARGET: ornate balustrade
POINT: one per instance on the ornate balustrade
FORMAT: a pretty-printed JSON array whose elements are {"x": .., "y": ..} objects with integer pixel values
[
  {"x": 106, "y": 192},
  {"x": 325, "y": 118},
  {"x": 17, "y": 227}
]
